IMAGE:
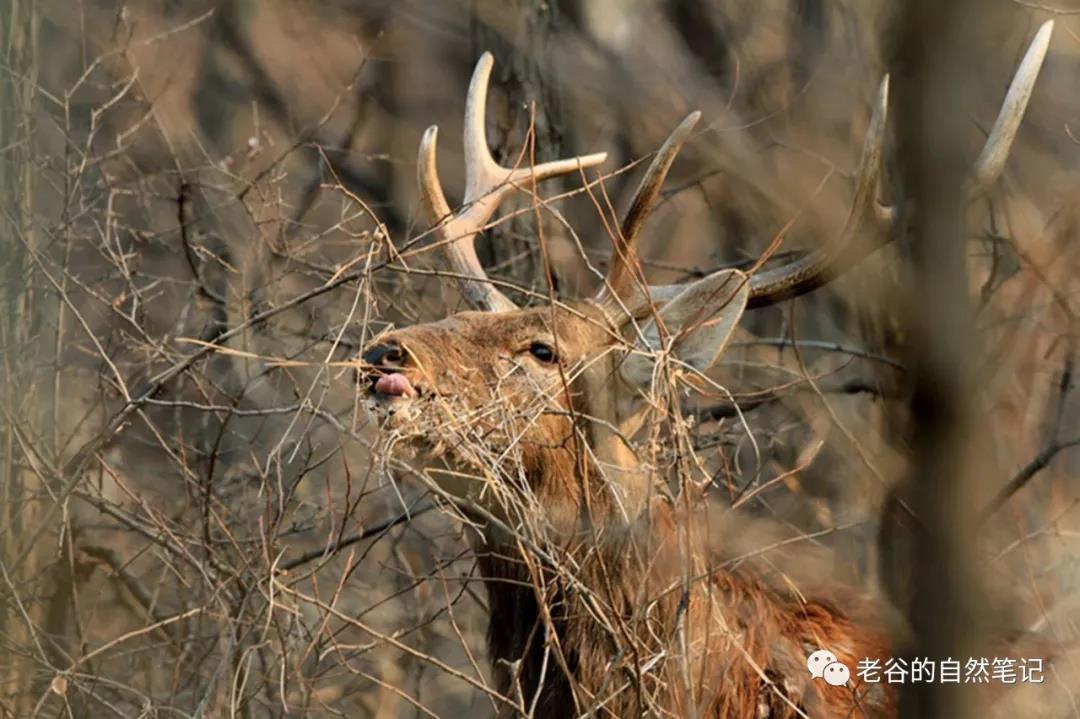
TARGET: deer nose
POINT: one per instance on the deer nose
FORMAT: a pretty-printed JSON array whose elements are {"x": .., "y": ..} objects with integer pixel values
[{"x": 385, "y": 355}]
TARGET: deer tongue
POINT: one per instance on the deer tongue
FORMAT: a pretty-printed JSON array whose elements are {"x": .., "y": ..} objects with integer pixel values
[{"x": 396, "y": 385}]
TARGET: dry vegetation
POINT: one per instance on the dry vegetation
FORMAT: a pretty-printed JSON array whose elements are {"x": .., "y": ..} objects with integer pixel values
[{"x": 208, "y": 208}]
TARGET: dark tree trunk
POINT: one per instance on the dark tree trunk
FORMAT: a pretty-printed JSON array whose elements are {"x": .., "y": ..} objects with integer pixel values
[
  {"x": 524, "y": 89},
  {"x": 934, "y": 60}
]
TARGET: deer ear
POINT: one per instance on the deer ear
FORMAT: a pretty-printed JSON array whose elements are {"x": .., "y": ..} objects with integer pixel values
[{"x": 697, "y": 324}]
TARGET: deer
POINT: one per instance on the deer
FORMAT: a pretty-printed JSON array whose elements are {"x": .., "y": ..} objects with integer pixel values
[{"x": 606, "y": 596}]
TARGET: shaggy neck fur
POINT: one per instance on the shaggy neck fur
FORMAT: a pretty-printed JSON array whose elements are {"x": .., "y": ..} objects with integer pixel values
[{"x": 625, "y": 632}]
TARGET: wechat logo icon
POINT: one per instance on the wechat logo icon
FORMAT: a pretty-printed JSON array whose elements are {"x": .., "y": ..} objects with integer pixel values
[{"x": 824, "y": 665}]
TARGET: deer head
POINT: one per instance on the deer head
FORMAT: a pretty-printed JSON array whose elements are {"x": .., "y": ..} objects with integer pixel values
[{"x": 543, "y": 403}]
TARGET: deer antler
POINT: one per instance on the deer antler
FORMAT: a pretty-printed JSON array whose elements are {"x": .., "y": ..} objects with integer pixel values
[
  {"x": 624, "y": 265},
  {"x": 867, "y": 215},
  {"x": 819, "y": 267},
  {"x": 486, "y": 185},
  {"x": 991, "y": 161}
]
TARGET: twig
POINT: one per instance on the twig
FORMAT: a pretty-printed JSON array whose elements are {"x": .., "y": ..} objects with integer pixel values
[
  {"x": 376, "y": 530},
  {"x": 1053, "y": 445}
]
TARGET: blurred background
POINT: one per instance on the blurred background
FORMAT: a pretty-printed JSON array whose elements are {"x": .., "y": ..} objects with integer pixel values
[{"x": 209, "y": 207}]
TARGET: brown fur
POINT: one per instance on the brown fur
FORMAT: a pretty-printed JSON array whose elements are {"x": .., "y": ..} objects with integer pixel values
[{"x": 615, "y": 600}]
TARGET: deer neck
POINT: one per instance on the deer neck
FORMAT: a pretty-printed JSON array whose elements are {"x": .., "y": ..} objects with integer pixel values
[
  {"x": 537, "y": 608},
  {"x": 610, "y": 422},
  {"x": 608, "y": 521}
]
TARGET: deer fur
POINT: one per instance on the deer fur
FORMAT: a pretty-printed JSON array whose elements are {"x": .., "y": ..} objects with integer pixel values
[{"x": 727, "y": 641}]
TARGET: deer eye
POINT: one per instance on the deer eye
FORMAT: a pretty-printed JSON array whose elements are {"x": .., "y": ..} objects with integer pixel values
[{"x": 543, "y": 352}]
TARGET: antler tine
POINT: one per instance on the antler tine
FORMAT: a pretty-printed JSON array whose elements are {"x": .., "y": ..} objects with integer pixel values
[
  {"x": 454, "y": 235},
  {"x": 991, "y": 161},
  {"x": 817, "y": 268},
  {"x": 620, "y": 275},
  {"x": 486, "y": 185}
]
